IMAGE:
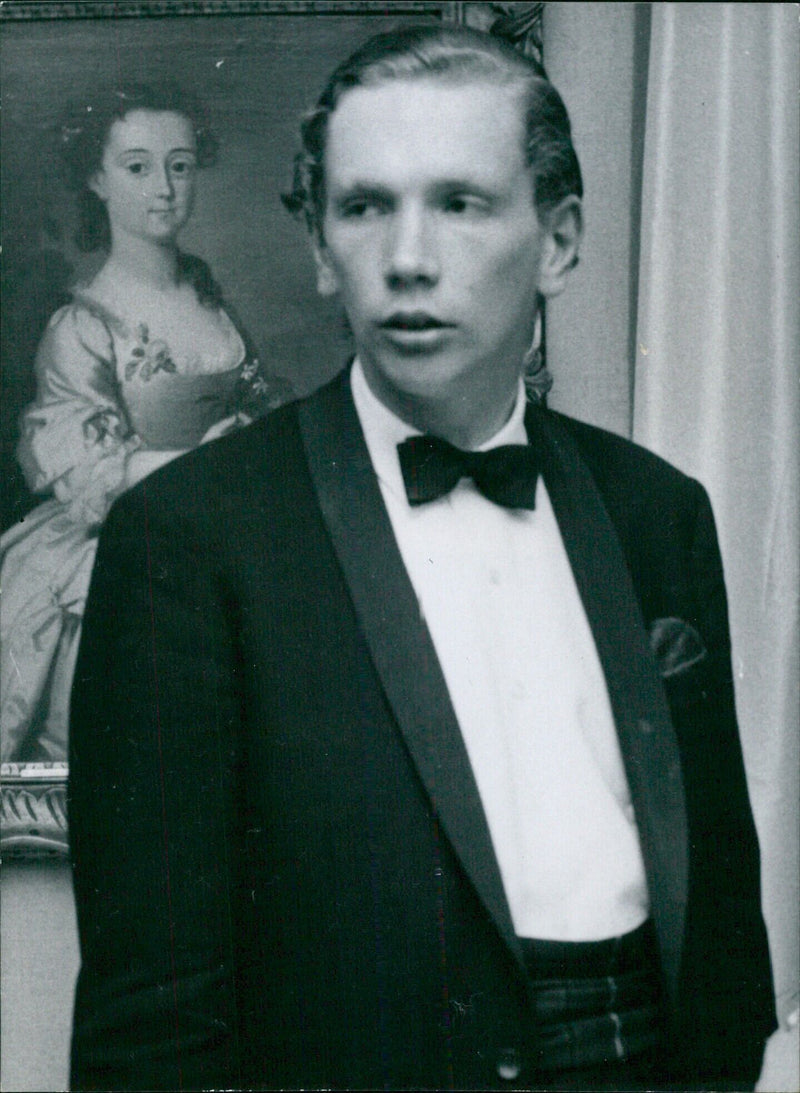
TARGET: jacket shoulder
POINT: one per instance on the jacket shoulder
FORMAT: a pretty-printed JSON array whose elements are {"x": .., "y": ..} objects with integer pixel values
[
  {"x": 617, "y": 463},
  {"x": 221, "y": 480},
  {"x": 656, "y": 509}
]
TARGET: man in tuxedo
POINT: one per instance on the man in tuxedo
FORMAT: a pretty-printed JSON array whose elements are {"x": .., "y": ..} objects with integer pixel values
[{"x": 404, "y": 751}]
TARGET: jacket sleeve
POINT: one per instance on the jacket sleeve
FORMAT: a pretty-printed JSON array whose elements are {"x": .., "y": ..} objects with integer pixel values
[
  {"x": 728, "y": 1004},
  {"x": 151, "y": 810}
]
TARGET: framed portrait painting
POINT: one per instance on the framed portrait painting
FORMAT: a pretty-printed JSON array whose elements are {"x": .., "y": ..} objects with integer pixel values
[{"x": 250, "y": 69}]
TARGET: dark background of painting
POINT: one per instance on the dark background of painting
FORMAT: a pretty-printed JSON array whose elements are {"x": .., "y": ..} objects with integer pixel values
[{"x": 257, "y": 73}]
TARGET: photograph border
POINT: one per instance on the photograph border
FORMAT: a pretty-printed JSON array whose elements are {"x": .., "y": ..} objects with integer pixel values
[{"x": 132, "y": 9}]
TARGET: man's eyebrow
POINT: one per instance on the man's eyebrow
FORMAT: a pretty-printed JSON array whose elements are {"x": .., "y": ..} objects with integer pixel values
[
  {"x": 361, "y": 187},
  {"x": 464, "y": 185},
  {"x": 437, "y": 188}
]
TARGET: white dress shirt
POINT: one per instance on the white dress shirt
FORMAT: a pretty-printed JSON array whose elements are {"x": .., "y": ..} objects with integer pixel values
[{"x": 498, "y": 595}]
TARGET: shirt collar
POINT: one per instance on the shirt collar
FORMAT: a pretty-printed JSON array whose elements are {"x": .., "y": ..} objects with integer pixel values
[{"x": 384, "y": 430}]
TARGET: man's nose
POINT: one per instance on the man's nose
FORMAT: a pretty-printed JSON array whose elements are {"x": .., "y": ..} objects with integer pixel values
[{"x": 412, "y": 250}]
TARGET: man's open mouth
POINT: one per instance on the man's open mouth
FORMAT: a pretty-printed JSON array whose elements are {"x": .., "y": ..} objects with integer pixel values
[{"x": 413, "y": 321}]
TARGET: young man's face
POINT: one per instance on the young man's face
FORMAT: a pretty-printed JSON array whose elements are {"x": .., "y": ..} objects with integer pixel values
[{"x": 431, "y": 237}]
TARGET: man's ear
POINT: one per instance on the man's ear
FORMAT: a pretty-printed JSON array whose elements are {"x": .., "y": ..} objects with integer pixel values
[
  {"x": 563, "y": 227},
  {"x": 327, "y": 281},
  {"x": 97, "y": 184}
]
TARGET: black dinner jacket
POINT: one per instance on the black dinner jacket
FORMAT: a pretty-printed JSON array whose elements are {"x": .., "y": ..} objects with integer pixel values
[{"x": 283, "y": 872}]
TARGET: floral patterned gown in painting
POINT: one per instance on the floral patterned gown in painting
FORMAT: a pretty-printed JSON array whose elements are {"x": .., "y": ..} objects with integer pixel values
[{"x": 106, "y": 389}]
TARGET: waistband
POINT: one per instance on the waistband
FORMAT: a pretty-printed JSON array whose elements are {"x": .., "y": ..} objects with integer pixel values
[
  {"x": 595, "y": 1002},
  {"x": 588, "y": 959}
]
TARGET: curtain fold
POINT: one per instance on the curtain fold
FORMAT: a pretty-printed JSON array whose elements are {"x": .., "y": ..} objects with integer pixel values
[{"x": 717, "y": 365}]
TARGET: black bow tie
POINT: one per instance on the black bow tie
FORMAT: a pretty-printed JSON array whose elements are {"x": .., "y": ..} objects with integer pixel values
[{"x": 431, "y": 468}]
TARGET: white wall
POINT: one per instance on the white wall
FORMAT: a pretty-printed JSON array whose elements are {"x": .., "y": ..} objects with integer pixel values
[
  {"x": 38, "y": 965},
  {"x": 596, "y": 55}
]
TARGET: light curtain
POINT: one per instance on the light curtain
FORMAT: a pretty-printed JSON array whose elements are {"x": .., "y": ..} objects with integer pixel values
[{"x": 717, "y": 374}]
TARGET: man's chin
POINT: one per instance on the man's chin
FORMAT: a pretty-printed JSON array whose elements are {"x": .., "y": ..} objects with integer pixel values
[{"x": 406, "y": 382}]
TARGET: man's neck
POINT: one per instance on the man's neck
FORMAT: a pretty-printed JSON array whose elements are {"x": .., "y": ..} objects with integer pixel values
[{"x": 466, "y": 419}]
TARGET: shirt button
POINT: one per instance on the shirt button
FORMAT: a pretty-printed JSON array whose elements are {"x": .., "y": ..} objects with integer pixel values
[
  {"x": 509, "y": 1064},
  {"x": 645, "y": 727}
]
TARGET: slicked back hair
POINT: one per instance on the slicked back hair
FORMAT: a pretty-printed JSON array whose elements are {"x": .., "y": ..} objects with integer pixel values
[{"x": 456, "y": 55}]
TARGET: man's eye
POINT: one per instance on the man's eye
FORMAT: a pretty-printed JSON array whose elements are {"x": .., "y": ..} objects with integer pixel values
[
  {"x": 136, "y": 168},
  {"x": 464, "y": 203},
  {"x": 359, "y": 208},
  {"x": 182, "y": 166}
]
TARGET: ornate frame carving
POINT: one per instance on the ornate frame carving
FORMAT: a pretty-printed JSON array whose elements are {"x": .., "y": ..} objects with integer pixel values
[
  {"x": 33, "y": 809},
  {"x": 33, "y": 806}
]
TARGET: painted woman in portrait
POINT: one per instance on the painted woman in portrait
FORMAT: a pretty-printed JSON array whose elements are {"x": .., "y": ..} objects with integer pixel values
[{"x": 146, "y": 361}]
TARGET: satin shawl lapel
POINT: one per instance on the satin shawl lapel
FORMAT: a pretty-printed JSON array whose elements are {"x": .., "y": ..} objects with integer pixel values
[
  {"x": 399, "y": 641},
  {"x": 647, "y": 737}
]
